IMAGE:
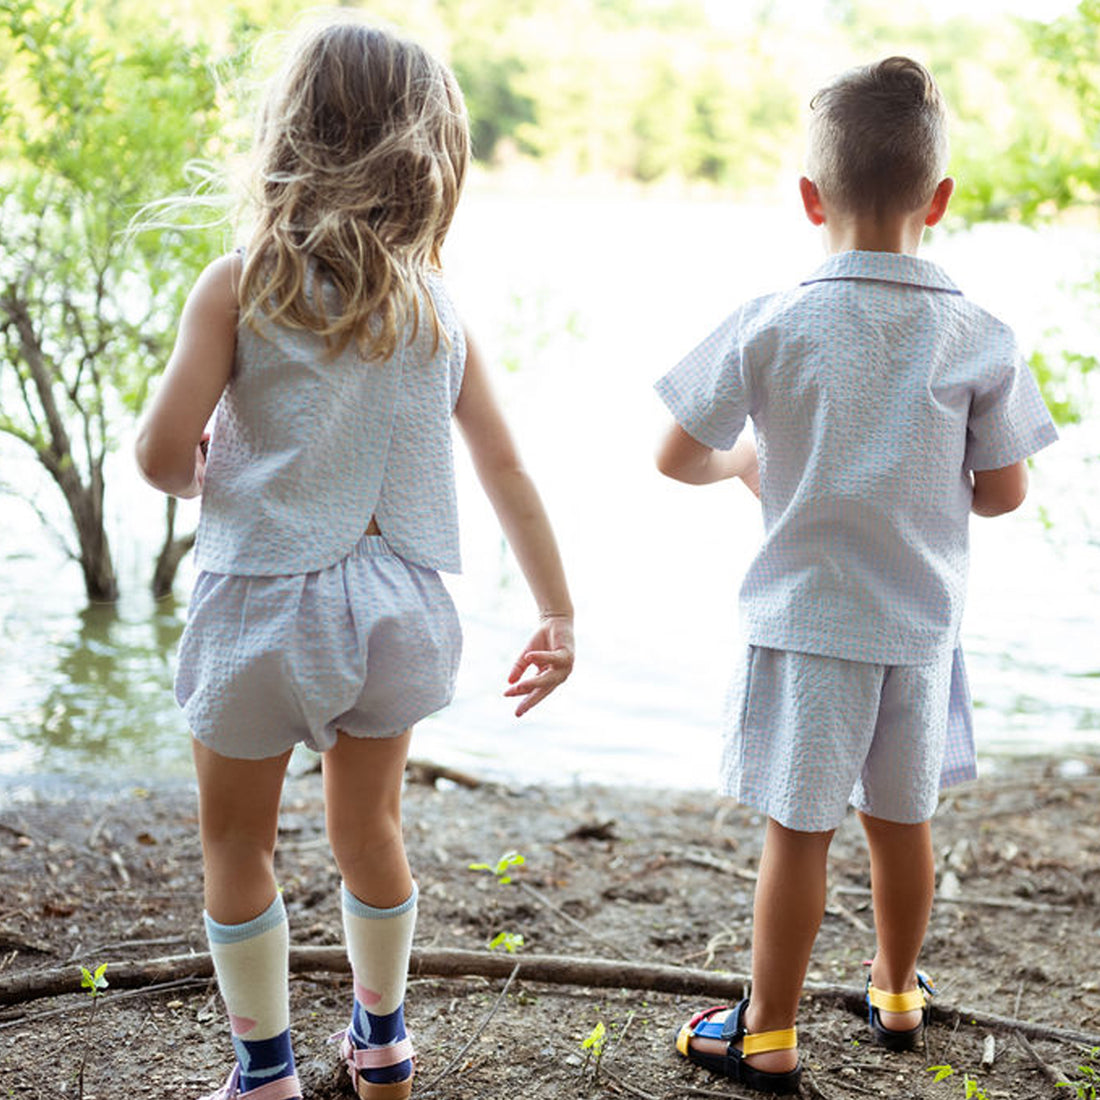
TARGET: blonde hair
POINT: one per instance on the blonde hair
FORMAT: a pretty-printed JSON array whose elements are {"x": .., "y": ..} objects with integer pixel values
[
  {"x": 361, "y": 153},
  {"x": 878, "y": 138}
]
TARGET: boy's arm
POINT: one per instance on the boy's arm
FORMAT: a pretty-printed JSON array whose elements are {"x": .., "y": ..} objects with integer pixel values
[
  {"x": 682, "y": 457},
  {"x": 999, "y": 491},
  {"x": 168, "y": 446},
  {"x": 516, "y": 502}
]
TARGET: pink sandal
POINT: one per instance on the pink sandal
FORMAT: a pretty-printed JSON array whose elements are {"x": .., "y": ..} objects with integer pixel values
[
  {"x": 285, "y": 1088},
  {"x": 375, "y": 1058}
]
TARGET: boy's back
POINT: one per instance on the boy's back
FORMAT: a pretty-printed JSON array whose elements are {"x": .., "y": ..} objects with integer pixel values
[{"x": 873, "y": 387}]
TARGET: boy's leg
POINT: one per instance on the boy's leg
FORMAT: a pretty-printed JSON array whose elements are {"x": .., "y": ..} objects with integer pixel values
[
  {"x": 787, "y": 912},
  {"x": 363, "y": 778},
  {"x": 245, "y": 919},
  {"x": 902, "y": 885}
]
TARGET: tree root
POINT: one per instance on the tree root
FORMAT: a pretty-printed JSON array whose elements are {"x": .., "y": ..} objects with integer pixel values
[{"x": 29, "y": 985}]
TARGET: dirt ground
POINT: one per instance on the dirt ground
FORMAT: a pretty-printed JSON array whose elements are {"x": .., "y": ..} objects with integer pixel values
[{"x": 661, "y": 876}]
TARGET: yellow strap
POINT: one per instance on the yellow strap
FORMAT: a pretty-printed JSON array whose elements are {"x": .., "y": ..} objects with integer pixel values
[
  {"x": 682, "y": 1040},
  {"x": 764, "y": 1041},
  {"x": 896, "y": 1002}
]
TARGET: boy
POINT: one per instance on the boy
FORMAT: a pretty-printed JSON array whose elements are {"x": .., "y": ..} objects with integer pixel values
[{"x": 885, "y": 408}]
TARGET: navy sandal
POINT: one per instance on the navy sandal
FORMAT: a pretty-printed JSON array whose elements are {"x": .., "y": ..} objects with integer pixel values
[
  {"x": 919, "y": 998},
  {"x": 732, "y": 1063}
]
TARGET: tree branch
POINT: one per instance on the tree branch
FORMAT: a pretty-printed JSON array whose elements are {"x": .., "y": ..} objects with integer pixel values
[{"x": 552, "y": 969}]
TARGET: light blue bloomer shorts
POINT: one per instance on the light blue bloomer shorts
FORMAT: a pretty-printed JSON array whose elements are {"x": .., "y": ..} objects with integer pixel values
[
  {"x": 806, "y": 735},
  {"x": 368, "y": 646}
]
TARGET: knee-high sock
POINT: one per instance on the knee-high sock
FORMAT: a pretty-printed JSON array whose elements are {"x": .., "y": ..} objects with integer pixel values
[
  {"x": 250, "y": 960},
  {"x": 379, "y": 942}
]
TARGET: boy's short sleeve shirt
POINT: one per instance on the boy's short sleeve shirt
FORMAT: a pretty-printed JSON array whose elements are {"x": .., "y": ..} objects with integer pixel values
[{"x": 874, "y": 389}]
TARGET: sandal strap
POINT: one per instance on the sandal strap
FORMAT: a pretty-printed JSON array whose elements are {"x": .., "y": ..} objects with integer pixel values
[
  {"x": 763, "y": 1041},
  {"x": 285, "y": 1088},
  {"x": 732, "y": 1029},
  {"x": 378, "y": 1057},
  {"x": 910, "y": 1001}
]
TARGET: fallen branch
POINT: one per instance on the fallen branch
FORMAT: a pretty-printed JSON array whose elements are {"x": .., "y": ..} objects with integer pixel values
[{"x": 550, "y": 969}]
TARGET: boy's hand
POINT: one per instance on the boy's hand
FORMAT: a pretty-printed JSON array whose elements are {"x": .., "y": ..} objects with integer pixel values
[{"x": 550, "y": 651}]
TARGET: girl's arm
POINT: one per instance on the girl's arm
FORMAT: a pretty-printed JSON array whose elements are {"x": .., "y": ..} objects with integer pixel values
[
  {"x": 516, "y": 502},
  {"x": 168, "y": 447},
  {"x": 682, "y": 457}
]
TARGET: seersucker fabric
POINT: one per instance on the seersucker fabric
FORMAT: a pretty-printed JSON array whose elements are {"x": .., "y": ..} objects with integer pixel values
[
  {"x": 306, "y": 447},
  {"x": 874, "y": 388}
]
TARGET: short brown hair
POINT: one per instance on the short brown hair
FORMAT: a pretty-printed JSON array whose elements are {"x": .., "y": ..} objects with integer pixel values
[{"x": 878, "y": 138}]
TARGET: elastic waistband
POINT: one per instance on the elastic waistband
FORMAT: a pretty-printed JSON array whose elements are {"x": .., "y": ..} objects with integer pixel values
[{"x": 372, "y": 546}]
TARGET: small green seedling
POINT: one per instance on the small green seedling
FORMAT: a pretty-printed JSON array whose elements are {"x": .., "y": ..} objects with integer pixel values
[
  {"x": 510, "y": 941},
  {"x": 593, "y": 1046},
  {"x": 971, "y": 1089},
  {"x": 1085, "y": 1089},
  {"x": 501, "y": 867},
  {"x": 974, "y": 1091},
  {"x": 95, "y": 983}
]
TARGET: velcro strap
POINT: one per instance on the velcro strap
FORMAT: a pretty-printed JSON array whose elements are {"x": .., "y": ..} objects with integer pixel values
[
  {"x": 896, "y": 1002},
  {"x": 380, "y": 1057},
  {"x": 764, "y": 1041},
  {"x": 683, "y": 1039},
  {"x": 285, "y": 1088}
]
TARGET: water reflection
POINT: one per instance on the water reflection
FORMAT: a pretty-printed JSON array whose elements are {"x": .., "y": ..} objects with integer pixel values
[{"x": 106, "y": 704}]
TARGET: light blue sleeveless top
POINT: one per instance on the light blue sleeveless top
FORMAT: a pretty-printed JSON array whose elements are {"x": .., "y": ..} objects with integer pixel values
[{"x": 305, "y": 449}]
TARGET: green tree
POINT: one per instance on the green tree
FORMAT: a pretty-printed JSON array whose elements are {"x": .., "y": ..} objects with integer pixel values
[{"x": 100, "y": 109}]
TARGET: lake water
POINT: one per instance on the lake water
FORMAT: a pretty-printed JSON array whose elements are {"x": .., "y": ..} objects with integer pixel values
[{"x": 580, "y": 302}]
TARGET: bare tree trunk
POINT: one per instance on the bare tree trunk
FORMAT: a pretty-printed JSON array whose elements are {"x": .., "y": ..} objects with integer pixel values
[
  {"x": 172, "y": 552},
  {"x": 54, "y": 449}
]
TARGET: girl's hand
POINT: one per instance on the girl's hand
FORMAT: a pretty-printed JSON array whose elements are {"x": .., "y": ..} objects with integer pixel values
[
  {"x": 550, "y": 651},
  {"x": 195, "y": 488}
]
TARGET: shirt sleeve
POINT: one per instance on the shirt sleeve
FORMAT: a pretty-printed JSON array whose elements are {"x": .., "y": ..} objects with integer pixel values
[
  {"x": 706, "y": 391},
  {"x": 1008, "y": 420}
]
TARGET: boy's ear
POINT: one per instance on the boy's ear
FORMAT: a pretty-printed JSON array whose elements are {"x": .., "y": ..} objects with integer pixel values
[
  {"x": 938, "y": 207},
  {"x": 811, "y": 200}
]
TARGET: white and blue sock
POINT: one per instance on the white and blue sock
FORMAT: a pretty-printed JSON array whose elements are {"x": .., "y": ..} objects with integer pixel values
[
  {"x": 250, "y": 960},
  {"x": 379, "y": 942}
]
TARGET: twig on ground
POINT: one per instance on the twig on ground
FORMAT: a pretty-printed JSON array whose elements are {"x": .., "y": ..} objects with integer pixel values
[
  {"x": 991, "y": 903},
  {"x": 1052, "y": 1073},
  {"x": 989, "y": 1051},
  {"x": 107, "y": 1001},
  {"x": 428, "y": 774},
  {"x": 618, "y": 1082},
  {"x": 542, "y": 899},
  {"x": 620, "y": 1037},
  {"x": 809, "y": 1085},
  {"x": 473, "y": 1038},
  {"x": 837, "y": 908}
]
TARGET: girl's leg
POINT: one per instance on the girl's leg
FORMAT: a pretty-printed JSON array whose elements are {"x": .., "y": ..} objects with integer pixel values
[
  {"x": 363, "y": 778},
  {"x": 787, "y": 912},
  {"x": 903, "y": 880},
  {"x": 245, "y": 919}
]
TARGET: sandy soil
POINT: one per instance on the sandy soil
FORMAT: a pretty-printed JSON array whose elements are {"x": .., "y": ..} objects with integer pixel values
[{"x": 664, "y": 877}]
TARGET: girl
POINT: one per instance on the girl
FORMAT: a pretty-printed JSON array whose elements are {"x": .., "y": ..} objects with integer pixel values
[{"x": 335, "y": 360}]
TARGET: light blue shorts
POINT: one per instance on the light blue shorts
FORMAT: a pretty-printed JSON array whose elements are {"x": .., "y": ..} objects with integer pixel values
[
  {"x": 368, "y": 646},
  {"x": 806, "y": 735}
]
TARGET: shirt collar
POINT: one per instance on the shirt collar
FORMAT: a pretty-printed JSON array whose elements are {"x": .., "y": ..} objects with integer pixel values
[{"x": 887, "y": 267}]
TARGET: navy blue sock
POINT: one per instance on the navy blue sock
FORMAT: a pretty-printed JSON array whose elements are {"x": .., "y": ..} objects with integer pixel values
[
  {"x": 375, "y": 1031},
  {"x": 264, "y": 1060}
]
